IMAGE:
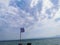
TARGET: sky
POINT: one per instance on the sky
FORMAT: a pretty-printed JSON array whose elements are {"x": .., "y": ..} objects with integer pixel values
[{"x": 40, "y": 19}]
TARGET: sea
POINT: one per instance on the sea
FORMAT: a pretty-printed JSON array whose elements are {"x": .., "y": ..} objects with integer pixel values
[{"x": 41, "y": 41}]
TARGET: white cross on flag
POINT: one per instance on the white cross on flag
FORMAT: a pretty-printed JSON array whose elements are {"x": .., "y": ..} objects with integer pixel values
[{"x": 22, "y": 30}]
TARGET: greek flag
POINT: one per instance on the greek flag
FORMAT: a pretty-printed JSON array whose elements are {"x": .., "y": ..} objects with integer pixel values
[{"x": 22, "y": 30}]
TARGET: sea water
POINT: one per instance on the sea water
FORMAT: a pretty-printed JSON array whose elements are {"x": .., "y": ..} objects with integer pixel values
[{"x": 43, "y": 41}]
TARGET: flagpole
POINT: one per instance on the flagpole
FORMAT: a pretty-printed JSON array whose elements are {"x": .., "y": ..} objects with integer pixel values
[
  {"x": 20, "y": 36},
  {"x": 21, "y": 31}
]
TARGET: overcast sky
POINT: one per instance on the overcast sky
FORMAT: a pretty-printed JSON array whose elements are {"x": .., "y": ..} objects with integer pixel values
[{"x": 40, "y": 18}]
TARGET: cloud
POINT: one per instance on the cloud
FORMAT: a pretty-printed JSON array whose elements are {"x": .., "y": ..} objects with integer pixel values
[
  {"x": 33, "y": 3},
  {"x": 44, "y": 27},
  {"x": 38, "y": 22},
  {"x": 11, "y": 18}
]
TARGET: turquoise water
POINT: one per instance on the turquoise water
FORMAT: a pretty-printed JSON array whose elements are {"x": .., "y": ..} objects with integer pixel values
[{"x": 46, "y": 41}]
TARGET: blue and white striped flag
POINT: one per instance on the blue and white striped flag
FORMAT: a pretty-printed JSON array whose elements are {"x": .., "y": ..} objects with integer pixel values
[{"x": 22, "y": 30}]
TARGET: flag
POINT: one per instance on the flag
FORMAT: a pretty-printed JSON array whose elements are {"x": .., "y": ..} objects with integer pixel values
[{"x": 22, "y": 30}]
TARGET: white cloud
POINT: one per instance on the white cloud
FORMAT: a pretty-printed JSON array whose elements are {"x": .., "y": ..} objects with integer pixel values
[
  {"x": 33, "y": 3},
  {"x": 5, "y": 2},
  {"x": 46, "y": 5},
  {"x": 44, "y": 27},
  {"x": 16, "y": 17}
]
